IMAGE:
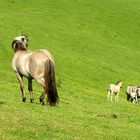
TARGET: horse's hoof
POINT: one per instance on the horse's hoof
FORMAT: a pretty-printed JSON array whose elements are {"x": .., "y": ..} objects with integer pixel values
[
  {"x": 32, "y": 100},
  {"x": 24, "y": 99},
  {"x": 42, "y": 103},
  {"x": 41, "y": 100}
]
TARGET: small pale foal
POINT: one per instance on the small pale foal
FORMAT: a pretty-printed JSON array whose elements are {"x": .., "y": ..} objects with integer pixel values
[{"x": 114, "y": 89}]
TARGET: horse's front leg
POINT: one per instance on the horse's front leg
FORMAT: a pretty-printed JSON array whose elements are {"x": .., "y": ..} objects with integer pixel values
[
  {"x": 136, "y": 99},
  {"x": 111, "y": 94},
  {"x": 19, "y": 77},
  {"x": 30, "y": 88}
]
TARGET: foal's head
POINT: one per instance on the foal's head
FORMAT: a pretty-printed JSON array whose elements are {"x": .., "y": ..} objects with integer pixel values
[
  {"x": 119, "y": 83},
  {"x": 20, "y": 43}
]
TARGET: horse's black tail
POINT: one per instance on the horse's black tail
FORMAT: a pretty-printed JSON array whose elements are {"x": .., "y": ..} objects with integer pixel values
[{"x": 50, "y": 83}]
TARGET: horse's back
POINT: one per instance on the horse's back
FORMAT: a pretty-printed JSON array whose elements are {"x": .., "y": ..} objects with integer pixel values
[
  {"x": 44, "y": 52},
  {"x": 111, "y": 86},
  {"x": 131, "y": 89}
]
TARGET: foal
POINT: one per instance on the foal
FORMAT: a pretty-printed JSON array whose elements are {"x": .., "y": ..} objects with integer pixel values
[{"x": 114, "y": 89}]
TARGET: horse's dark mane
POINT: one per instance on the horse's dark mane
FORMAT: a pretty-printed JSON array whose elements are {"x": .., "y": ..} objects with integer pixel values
[
  {"x": 118, "y": 82},
  {"x": 130, "y": 85}
]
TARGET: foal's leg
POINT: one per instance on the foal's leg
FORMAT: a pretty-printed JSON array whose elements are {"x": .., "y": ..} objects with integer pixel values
[
  {"x": 30, "y": 89},
  {"x": 116, "y": 97},
  {"x": 108, "y": 95},
  {"x": 19, "y": 77},
  {"x": 111, "y": 94},
  {"x": 136, "y": 100}
]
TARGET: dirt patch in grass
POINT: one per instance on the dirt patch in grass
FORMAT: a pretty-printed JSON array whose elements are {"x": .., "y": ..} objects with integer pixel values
[
  {"x": 112, "y": 116},
  {"x": 2, "y": 103}
]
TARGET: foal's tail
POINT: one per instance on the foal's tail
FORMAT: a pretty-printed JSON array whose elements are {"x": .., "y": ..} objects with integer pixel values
[
  {"x": 50, "y": 83},
  {"x": 108, "y": 93}
]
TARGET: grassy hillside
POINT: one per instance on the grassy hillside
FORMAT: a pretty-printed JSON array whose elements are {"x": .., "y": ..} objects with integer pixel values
[{"x": 94, "y": 43}]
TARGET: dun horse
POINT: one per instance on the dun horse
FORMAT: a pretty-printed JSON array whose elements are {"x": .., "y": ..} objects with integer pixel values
[
  {"x": 114, "y": 89},
  {"x": 133, "y": 93},
  {"x": 37, "y": 65}
]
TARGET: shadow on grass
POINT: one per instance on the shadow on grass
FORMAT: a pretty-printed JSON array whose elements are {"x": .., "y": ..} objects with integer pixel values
[
  {"x": 112, "y": 116},
  {"x": 2, "y": 103}
]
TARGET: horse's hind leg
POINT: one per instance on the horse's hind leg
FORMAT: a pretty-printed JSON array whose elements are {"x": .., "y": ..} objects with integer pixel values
[
  {"x": 136, "y": 99},
  {"x": 30, "y": 89},
  {"x": 42, "y": 98},
  {"x": 117, "y": 97},
  {"x": 41, "y": 81},
  {"x": 108, "y": 95},
  {"x": 111, "y": 96},
  {"x": 19, "y": 77}
]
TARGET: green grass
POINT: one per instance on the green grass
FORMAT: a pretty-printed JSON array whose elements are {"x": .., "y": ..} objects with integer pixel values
[{"x": 95, "y": 43}]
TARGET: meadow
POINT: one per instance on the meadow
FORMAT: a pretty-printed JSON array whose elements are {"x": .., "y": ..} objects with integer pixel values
[{"x": 94, "y": 43}]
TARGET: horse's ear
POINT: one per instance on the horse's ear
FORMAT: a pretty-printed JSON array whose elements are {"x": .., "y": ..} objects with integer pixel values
[
  {"x": 13, "y": 44},
  {"x": 26, "y": 38}
]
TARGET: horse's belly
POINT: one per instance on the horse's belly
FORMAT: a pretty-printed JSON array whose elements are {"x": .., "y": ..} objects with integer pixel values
[{"x": 24, "y": 71}]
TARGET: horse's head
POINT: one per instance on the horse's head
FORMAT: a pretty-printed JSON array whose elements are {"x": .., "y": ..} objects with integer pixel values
[
  {"x": 20, "y": 43},
  {"x": 119, "y": 83}
]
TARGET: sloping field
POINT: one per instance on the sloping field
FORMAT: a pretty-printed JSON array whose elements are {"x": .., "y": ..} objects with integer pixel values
[{"x": 95, "y": 43}]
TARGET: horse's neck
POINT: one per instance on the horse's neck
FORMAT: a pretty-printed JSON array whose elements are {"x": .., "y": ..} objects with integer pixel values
[{"x": 119, "y": 85}]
